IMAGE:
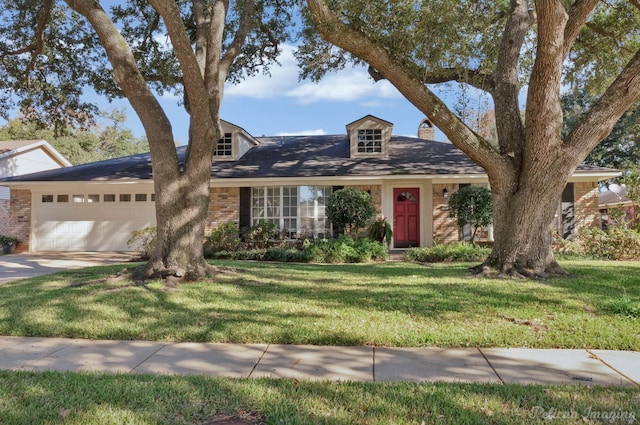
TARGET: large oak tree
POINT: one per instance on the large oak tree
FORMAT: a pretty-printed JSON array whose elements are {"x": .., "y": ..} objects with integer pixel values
[
  {"x": 51, "y": 51},
  {"x": 498, "y": 47}
]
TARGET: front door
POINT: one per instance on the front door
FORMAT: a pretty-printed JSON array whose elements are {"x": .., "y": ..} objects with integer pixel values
[{"x": 406, "y": 218}]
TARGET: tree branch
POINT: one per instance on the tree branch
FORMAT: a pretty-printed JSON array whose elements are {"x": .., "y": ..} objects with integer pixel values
[
  {"x": 509, "y": 126},
  {"x": 599, "y": 121},
  {"x": 335, "y": 31},
  {"x": 578, "y": 16},
  {"x": 544, "y": 113},
  {"x": 126, "y": 73},
  {"x": 37, "y": 45},
  {"x": 202, "y": 133},
  {"x": 246, "y": 23}
]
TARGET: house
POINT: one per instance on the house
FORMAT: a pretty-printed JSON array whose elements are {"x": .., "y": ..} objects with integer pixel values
[
  {"x": 616, "y": 208},
  {"x": 24, "y": 157},
  {"x": 284, "y": 180}
]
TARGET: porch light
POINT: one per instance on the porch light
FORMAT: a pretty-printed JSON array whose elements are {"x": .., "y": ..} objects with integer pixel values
[{"x": 445, "y": 193}]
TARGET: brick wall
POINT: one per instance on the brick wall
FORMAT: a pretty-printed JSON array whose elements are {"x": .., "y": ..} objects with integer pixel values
[
  {"x": 376, "y": 195},
  {"x": 20, "y": 218},
  {"x": 445, "y": 228},
  {"x": 586, "y": 204},
  {"x": 4, "y": 216},
  {"x": 224, "y": 206}
]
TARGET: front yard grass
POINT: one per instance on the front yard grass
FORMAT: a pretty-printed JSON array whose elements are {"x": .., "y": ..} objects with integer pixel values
[
  {"x": 92, "y": 399},
  {"x": 382, "y": 304}
]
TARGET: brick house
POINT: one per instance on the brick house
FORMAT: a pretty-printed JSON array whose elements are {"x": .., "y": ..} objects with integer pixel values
[{"x": 284, "y": 180}]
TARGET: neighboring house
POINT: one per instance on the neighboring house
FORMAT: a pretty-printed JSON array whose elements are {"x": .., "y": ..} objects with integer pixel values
[
  {"x": 284, "y": 180},
  {"x": 24, "y": 157},
  {"x": 611, "y": 200}
]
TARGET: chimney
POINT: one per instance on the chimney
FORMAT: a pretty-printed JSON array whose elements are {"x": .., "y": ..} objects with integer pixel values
[{"x": 426, "y": 130}]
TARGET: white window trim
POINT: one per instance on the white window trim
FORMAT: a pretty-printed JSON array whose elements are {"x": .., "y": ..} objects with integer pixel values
[{"x": 299, "y": 230}]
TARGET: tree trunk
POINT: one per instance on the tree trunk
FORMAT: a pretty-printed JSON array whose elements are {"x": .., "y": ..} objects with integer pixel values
[
  {"x": 181, "y": 208},
  {"x": 523, "y": 221}
]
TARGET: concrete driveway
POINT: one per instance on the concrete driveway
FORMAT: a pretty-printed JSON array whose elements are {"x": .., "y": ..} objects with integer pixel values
[{"x": 22, "y": 266}]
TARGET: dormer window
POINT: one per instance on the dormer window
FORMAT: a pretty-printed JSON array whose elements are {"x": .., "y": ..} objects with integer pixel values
[
  {"x": 234, "y": 143},
  {"x": 224, "y": 148},
  {"x": 370, "y": 141},
  {"x": 369, "y": 137}
]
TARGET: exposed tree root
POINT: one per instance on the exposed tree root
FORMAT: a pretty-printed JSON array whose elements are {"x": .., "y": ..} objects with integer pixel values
[{"x": 510, "y": 271}]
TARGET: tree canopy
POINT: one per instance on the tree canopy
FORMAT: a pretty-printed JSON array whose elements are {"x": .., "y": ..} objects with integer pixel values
[
  {"x": 51, "y": 51},
  {"x": 501, "y": 48},
  {"x": 80, "y": 146}
]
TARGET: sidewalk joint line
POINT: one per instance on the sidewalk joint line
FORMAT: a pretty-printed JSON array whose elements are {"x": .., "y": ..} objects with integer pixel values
[
  {"x": 611, "y": 367},
  {"x": 162, "y": 345},
  {"x": 30, "y": 363},
  {"x": 259, "y": 360},
  {"x": 490, "y": 365}
]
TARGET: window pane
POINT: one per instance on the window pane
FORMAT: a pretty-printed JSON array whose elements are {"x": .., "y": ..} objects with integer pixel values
[
  {"x": 78, "y": 198},
  {"x": 47, "y": 198},
  {"x": 93, "y": 198},
  {"x": 109, "y": 198},
  {"x": 224, "y": 146},
  {"x": 125, "y": 197},
  {"x": 141, "y": 197},
  {"x": 63, "y": 198}
]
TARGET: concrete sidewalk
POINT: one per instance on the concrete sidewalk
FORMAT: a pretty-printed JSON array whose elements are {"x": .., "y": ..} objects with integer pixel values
[
  {"x": 23, "y": 266},
  {"x": 360, "y": 363}
]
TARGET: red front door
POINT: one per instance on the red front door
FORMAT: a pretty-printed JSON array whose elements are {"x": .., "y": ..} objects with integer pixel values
[{"x": 406, "y": 218}]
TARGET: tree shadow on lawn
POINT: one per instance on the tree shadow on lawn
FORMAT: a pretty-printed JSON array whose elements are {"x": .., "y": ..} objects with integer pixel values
[
  {"x": 194, "y": 399},
  {"x": 261, "y": 297}
]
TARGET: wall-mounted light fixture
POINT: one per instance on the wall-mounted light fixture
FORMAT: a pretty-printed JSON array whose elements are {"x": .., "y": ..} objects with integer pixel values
[{"x": 445, "y": 193}]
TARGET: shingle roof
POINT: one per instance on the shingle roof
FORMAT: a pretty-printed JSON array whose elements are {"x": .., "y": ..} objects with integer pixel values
[{"x": 293, "y": 156}]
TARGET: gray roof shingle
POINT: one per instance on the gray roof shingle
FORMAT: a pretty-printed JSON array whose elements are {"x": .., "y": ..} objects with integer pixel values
[{"x": 293, "y": 156}]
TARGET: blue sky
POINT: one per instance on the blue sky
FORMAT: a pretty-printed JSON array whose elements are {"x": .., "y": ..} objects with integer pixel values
[{"x": 281, "y": 105}]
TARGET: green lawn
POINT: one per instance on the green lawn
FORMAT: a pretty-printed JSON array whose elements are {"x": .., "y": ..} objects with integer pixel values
[
  {"x": 384, "y": 304},
  {"x": 89, "y": 399}
]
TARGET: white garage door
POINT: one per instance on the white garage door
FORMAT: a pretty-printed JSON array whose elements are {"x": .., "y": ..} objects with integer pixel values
[{"x": 91, "y": 221}]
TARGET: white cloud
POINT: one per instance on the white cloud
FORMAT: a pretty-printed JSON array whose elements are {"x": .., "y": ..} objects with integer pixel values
[
  {"x": 317, "y": 132},
  {"x": 348, "y": 85}
]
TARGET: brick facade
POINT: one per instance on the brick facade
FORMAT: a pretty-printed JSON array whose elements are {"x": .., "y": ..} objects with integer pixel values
[
  {"x": 224, "y": 207},
  {"x": 4, "y": 216},
  {"x": 586, "y": 204},
  {"x": 376, "y": 195},
  {"x": 445, "y": 228},
  {"x": 20, "y": 218}
]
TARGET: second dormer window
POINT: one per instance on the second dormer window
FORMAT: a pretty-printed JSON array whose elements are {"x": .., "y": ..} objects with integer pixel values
[
  {"x": 370, "y": 141},
  {"x": 224, "y": 146}
]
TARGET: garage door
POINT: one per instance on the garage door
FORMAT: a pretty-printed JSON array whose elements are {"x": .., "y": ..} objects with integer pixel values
[{"x": 92, "y": 221}]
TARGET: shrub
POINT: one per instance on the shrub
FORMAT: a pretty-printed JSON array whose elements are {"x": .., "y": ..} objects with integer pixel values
[
  {"x": 471, "y": 205},
  {"x": 143, "y": 242},
  {"x": 225, "y": 237},
  {"x": 618, "y": 243},
  {"x": 344, "y": 250},
  {"x": 260, "y": 235},
  {"x": 381, "y": 231},
  {"x": 459, "y": 251},
  {"x": 350, "y": 209}
]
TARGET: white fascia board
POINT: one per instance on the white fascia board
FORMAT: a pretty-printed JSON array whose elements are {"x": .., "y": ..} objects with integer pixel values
[{"x": 36, "y": 144}]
